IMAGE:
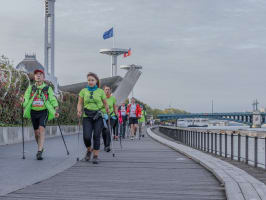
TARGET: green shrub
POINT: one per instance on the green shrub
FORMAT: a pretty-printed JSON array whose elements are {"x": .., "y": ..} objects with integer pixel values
[{"x": 13, "y": 84}]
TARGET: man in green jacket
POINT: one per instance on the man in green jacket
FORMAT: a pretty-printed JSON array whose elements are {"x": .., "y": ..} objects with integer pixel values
[
  {"x": 142, "y": 120},
  {"x": 40, "y": 105}
]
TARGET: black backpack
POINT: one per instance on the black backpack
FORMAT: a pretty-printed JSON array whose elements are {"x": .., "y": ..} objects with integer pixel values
[{"x": 44, "y": 90}]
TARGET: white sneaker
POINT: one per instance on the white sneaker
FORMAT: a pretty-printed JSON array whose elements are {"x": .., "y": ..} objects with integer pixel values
[{"x": 132, "y": 137}]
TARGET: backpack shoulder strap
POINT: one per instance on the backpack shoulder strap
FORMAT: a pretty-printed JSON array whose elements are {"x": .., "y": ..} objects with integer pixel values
[
  {"x": 33, "y": 88},
  {"x": 45, "y": 89}
]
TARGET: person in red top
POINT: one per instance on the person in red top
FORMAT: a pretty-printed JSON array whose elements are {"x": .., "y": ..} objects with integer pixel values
[
  {"x": 134, "y": 113},
  {"x": 123, "y": 112}
]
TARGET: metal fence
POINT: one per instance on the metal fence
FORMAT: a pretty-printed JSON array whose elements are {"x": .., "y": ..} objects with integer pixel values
[{"x": 233, "y": 144}]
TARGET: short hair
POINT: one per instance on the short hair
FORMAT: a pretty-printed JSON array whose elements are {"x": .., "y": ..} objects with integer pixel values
[{"x": 105, "y": 86}]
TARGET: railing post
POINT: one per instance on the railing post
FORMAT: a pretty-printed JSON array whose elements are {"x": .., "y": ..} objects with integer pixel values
[
  {"x": 256, "y": 151},
  {"x": 215, "y": 145},
  {"x": 190, "y": 138},
  {"x": 246, "y": 146},
  {"x": 208, "y": 142},
  {"x": 185, "y": 138},
  {"x": 201, "y": 141},
  {"x": 212, "y": 143},
  {"x": 225, "y": 145},
  {"x": 196, "y": 142},
  {"x": 183, "y": 134},
  {"x": 196, "y": 137},
  {"x": 193, "y": 144},
  {"x": 239, "y": 147},
  {"x": 232, "y": 146},
  {"x": 204, "y": 141},
  {"x": 221, "y": 143},
  {"x": 188, "y": 134}
]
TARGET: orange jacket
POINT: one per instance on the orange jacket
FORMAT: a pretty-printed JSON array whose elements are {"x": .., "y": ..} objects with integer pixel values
[{"x": 138, "y": 110}]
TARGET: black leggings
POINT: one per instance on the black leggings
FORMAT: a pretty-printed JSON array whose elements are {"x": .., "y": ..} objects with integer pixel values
[
  {"x": 95, "y": 126},
  {"x": 106, "y": 133},
  {"x": 123, "y": 126},
  {"x": 115, "y": 127}
]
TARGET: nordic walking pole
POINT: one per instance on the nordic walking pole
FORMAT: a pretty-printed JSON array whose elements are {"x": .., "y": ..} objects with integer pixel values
[
  {"x": 139, "y": 129},
  {"x": 23, "y": 141},
  {"x": 78, "y": 142},
  {"x": 120, "y": 135},
  {"x": 62, "y": 136},
  {"x": 111, "y": 135}
]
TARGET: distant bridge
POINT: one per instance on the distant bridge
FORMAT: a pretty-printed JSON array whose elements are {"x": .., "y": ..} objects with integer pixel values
[{"x": 254, "y": 119}]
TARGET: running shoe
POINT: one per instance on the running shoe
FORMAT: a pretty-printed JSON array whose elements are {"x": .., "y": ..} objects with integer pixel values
[
  {"x": 95, "y": 160},
  {"x": 107, "y": 149},
  {"x": 87, "y": 156},
  {"x": 39, "y": 155}
]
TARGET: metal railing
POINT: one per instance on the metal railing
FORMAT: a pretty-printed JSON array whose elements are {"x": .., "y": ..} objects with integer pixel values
[{"x": 237, "y": 145}]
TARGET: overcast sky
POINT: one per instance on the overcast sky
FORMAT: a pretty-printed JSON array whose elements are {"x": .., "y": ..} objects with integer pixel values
[{"x": 192, "y": 51}]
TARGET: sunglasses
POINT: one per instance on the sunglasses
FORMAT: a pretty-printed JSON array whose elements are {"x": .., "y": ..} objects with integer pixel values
[{"x": 91, "y": 93}]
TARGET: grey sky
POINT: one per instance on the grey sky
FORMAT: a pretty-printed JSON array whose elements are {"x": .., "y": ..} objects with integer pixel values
[{"x": 192, "y": 51}]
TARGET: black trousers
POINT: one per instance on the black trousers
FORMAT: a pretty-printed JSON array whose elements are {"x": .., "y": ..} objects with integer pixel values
[
  {"x": 115, "y": 127},
  {"x": 106, "y": 133},
  {"x": 92, "y": 126},
  {"x": 123, "y": 126}
]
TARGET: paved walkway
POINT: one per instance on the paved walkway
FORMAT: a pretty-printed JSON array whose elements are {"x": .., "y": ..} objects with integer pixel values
[
  {"x": 144, "y": 169},
  {"x": 16, "y": 173}
]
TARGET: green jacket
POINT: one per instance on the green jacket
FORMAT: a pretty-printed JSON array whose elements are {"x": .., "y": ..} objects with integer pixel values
[
  {"x": 50, "y": 103},
  {"x": 143, "y": 116}
]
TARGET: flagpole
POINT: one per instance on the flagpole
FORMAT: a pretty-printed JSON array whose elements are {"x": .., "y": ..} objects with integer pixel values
[{"x": 113, "y": 36}]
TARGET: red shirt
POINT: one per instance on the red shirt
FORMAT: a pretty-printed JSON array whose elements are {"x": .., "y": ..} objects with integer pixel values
[{"x": 138, "y": 110}]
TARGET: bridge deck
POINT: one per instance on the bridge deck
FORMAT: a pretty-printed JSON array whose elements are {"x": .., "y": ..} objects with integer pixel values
[{"x": 142, "y": 170}]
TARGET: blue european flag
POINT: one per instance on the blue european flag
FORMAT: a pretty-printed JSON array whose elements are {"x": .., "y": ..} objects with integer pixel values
[{"x": 108, "y": 34}]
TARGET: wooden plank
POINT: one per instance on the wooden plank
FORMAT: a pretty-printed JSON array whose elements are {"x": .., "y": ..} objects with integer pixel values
[
  {"x": 238, "y": 184},
  {"x": 144, "y": 169}
]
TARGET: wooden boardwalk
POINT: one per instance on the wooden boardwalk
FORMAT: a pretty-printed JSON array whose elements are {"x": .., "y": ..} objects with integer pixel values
[{"x": 144, "y": 169}]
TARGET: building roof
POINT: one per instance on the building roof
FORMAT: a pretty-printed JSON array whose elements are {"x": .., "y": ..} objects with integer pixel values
[
  {"x": 29, "y": 64},
  {"x": 113, "y": 82}
]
